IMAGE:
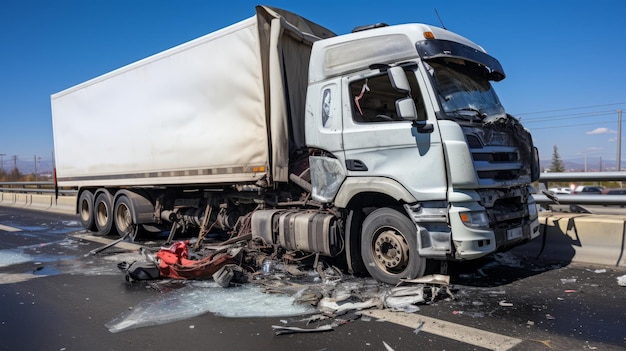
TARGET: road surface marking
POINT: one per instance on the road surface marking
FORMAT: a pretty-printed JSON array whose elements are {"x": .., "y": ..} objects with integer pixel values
[
  {"x": 458, "y": 332},
  {"x": 102, "y": 240},
  {"x": 6, "y": 228}
]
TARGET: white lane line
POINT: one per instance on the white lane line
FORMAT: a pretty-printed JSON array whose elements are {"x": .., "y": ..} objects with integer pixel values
[
  {"x": 458, "y": 332},
  {"x": 6, "y": 228}
]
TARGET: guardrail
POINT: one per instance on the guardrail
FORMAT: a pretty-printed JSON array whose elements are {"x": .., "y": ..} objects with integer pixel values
[
  {"x": 39, "y": 196},
  {"x": 42, "y": 187},
  {"x": 545, "y": 178}
]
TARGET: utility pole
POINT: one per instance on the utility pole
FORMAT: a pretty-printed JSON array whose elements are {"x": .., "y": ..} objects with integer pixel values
[
  {"x": 2, "y": 162},
  {"x": 35, "y": 157},
  {"x": 600, "y": 163},
  {"x": 14, "y": 161},
  {"x": 619, "y": 140}
]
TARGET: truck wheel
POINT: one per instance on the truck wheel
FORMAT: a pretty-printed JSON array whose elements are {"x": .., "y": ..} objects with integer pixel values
[
  {"x": 124, "y": 216},
  {"x": 103, "y": 210},
  {"x": 389, "y": 247},
  {"x": 85, "y": 210}
]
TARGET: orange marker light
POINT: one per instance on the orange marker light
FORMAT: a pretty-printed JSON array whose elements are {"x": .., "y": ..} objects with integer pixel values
[
  {"x": 465, "y": 217},
  {"x": 429, "y": 35}
]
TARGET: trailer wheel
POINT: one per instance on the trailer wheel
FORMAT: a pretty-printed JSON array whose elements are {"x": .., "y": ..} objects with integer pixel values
[
  {"x": 389, "y": 247},
  {"x": 103, "y": 210},
  {"x": 123, "y": 214},
  {"x": 85, "y": 210}
]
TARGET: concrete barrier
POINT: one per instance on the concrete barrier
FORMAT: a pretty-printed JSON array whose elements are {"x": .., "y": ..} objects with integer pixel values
[
  {"x": 41, "y": 202},
  {"x": 7, "y": 199},
  {"x": 581, "y": 238},
  {"x": 22, "y": 200},
  {"x": 64, "y": 204}
]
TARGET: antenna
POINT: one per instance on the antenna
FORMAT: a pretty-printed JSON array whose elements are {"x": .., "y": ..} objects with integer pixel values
[{"x": 440, "y": 21}]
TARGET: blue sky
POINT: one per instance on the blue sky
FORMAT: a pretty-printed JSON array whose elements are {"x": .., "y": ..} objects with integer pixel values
[{"x": 564, "y": 59}]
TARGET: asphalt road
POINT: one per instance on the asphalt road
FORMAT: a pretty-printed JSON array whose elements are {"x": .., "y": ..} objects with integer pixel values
[{"x": 53, "y": 297}]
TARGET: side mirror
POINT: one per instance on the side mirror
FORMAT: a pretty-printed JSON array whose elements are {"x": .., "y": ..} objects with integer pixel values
[
  {"x": 406, "y": 109},
  {"x": 398, "y": 79}
]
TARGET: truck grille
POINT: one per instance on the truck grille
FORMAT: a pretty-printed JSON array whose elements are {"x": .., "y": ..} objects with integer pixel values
[{"x": 494, "y": 163}]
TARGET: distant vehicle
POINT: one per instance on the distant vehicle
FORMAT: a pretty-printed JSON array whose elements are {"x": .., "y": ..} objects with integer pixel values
[
  {"x": 560, "y": 191},
  {"x": 588, "y": 190},
  {"x": 616, "y": 192}
]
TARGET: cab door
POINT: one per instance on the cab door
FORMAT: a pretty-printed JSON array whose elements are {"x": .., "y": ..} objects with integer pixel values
[{"x": 378, "y": 143}]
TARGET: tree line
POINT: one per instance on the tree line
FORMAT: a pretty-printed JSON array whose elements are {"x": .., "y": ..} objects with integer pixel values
[{"x": 16, "y": 176}]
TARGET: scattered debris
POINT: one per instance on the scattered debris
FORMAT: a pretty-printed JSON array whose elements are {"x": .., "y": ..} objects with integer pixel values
[
  {"x": 245, "y": 267},
  {"x": 549, "y": 317},
  {"x": 568, "y": 280},
  {"x": 546, "y": 343},
  {"x": 329, "y": 305},
  {"x": 597, "y": 270},
  {"x": 505, "y": 304},
  {"x": 621, "y": 281},
  {"x": 228, "y": 274},
  {"x": 387, "y": 347},
  {"x": 418, "y": 328},
  {"x": 401, "y": 298},
  {"x": 279, "y": 329}
]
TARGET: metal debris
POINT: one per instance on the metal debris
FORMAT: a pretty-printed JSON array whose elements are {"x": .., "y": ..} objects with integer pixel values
[
  {"x": 330, "y": 305},
  {"x": 387, "y": 347},
  {"x": 418, "y": 328},
  {"x": 280, "y": 329}
]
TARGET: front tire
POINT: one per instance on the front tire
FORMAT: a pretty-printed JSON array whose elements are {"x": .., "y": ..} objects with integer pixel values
[{"x": 389, "y": 247}]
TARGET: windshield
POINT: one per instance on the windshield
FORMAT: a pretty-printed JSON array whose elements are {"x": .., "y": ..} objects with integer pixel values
[{"x": 464, "y": 91}]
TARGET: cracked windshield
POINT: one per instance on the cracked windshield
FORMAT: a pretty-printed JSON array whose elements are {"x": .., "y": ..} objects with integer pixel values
[{"x": 463, "y": 92}]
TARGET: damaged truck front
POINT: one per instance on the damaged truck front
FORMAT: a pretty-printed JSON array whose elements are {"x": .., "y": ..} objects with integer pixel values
[{"x": 385, "y": 147}]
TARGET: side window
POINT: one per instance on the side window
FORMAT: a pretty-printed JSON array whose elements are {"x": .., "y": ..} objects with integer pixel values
[{"x": 374, "y": 99}]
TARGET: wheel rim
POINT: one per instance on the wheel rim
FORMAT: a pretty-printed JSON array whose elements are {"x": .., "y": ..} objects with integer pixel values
[
  {"x": 391, "y": 250},
  {"x": 123, "y": 218},
  {"x": 102, "y": 214},
  {"x": 85, "y": 208}
]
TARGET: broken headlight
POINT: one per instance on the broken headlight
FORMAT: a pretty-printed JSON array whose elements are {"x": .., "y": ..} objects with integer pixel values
[{"x": 475, "y": 219}]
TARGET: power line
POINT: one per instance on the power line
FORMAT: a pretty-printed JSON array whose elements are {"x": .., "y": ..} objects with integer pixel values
[
  {"x": 573, "y": 125},
  {"x": 570, "y": 116},
  {"x": 568, "y": 109}
]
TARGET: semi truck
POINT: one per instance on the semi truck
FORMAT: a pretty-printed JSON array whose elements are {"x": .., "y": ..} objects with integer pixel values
[{"x": 385, "y": 148}]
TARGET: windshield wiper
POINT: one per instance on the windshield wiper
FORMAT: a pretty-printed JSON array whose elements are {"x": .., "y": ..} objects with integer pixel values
[{"x": 469, "y": 113}]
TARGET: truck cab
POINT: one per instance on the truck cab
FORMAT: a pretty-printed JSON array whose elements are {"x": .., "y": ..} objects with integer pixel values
[{"x": 454, "y": 166}]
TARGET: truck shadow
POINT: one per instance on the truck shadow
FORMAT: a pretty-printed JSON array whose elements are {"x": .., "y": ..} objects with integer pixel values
[{"x": 553, "y": 249}]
